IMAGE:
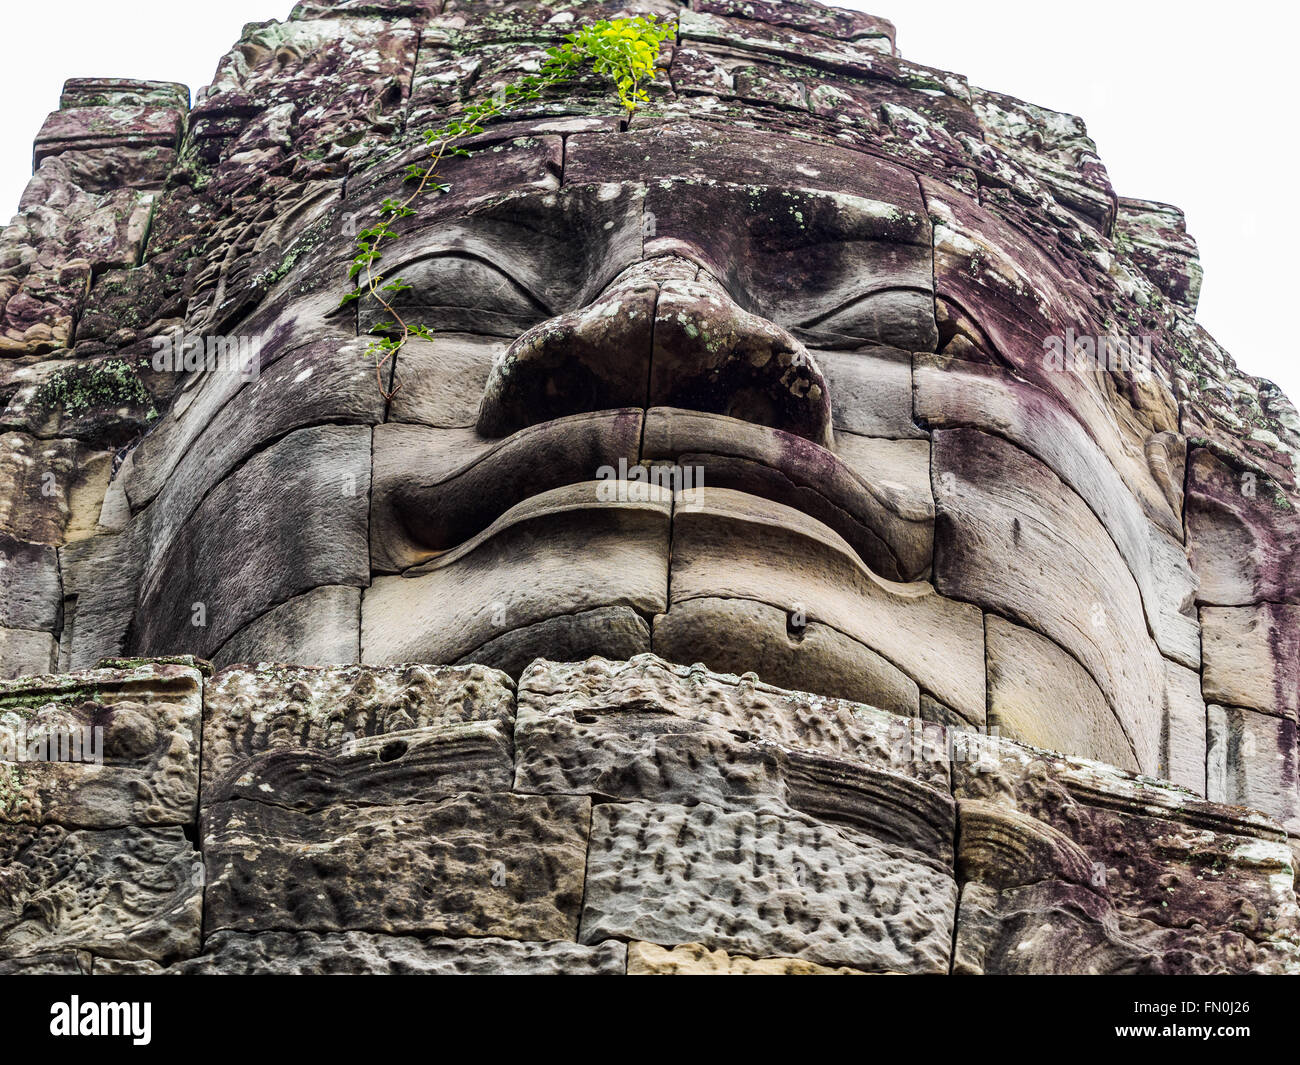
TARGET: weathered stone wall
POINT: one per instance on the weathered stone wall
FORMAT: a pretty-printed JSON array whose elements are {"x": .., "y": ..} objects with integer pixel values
[
  {"x": 603, "y": 817},
  {"x": 905, "y": 504}
]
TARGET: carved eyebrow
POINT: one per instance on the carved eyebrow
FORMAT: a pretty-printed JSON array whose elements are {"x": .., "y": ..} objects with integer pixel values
[
  {"x": 861, "y": 297},
  {"x": 507, "y": 280}
]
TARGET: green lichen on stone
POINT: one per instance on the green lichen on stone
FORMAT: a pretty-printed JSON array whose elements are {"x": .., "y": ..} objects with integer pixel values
[
  {"x": 201, "y": 664},
  {"x": 923, "y": 84},
  {"x": 124, "y": 298},
  {"x": 11, "y": 790},
  {"x": 189, "y": 169},
  {"x": 297, "y": 249},
  {"x": 77, "y": 389},
  {"x": 26, "y": 701}
]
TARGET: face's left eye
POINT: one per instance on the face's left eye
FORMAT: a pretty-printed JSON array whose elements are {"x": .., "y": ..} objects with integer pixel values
[
  {"x": 834, "y": 268},
  {"x": 899, "y": 317},
  {"x": 843, "y": 266}
]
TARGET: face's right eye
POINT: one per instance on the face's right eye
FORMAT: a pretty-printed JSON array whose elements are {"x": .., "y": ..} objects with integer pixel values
[
  {"x": 499, "y": 267},
  {"x": 458, "y": 291}
]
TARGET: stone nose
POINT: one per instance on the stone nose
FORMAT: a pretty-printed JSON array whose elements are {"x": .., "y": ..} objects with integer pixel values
[{"x": 664, "y": 333}]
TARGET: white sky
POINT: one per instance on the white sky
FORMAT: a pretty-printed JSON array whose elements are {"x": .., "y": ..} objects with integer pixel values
[{"x": 1189, "y": 103}]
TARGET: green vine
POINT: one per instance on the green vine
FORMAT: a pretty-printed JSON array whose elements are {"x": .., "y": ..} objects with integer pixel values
[{"x": 624, "y": 50}]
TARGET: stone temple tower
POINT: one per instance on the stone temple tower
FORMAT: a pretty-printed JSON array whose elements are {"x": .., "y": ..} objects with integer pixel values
[{"x": 815, "y": 533}]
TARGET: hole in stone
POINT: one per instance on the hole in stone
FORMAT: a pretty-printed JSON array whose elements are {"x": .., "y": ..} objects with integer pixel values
[
  {"x": 391, "y": 752},
  {"x": 796, "y": 625}
]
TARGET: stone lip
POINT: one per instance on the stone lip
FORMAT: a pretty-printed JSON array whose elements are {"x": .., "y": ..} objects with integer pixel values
[{"x": 441, "y": 516}]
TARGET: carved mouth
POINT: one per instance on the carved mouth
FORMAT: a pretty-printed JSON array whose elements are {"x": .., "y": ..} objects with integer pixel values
[
  {"x": 707, "y": 574},
  {"x": 418, "y": 521}
]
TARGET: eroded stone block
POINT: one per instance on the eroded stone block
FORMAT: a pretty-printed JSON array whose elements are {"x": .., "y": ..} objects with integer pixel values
[
  {"x": 102, "y": 748},
  {"x": 1103, "y": 871},
  {"x": 469, "y": 864},
  {"x": 367, "y": 953},
  {"x": 309, "y": 738},
  {"x": 764, "y": 885},
  {"x": 133, "y": 893},
  {"x": 694, "y": 959},
  {"x": 669, "y": 734}
]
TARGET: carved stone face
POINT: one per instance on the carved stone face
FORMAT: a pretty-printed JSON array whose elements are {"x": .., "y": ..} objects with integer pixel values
[
  {"x": 821, "y": 281},
  {"x": 646, "y": 312},
  {"x": 794, "y": 375}
]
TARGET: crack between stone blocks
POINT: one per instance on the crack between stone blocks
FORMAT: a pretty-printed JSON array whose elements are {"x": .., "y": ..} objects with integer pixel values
[
  {"x": 650, "y": 353},
  {"x": 934, "y": 291},
  {"x": 410, "y": 84},
  {"x": 956, "y": 908},
  {"x": 988, "y": 685},
  {"x": 1200, "y": 628},
  {"x": 198, "y": 816},
  {"x": 668, "y": 590},
  {"x": 586, "y": 871},
  {"x": 61, "y": 618},
  {"x": 148, "y": 231}
]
